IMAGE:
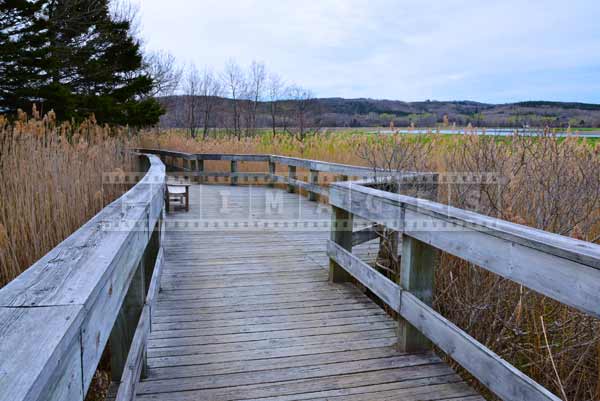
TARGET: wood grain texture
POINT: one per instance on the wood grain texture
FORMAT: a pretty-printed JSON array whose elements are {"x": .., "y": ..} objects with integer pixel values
[
  {"x": 492, "y": 371},
  {"x": 250, "y": 313},
  {"x": 58, "y": 314},
  {"x": 426, "y": 226},
  {"x": 417, "y": 272},
  {"x": 561, "y": 268},
  {"x": 136, "y": 363}
]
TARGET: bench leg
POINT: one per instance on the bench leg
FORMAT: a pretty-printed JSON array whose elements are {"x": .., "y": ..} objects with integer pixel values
[{"x": 187, "y": 199}]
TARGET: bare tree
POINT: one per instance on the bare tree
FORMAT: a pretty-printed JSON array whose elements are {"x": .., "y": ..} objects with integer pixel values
[
  {"x": 122, "y": 10},
  {"x": 276, "y": 92},
  {"x": 210, "y": 90},
  {"x": 257, "y": 78},
  {"x": 235, "y": 82},
  {"x": 192, "y": 89},
  {"x": 162, "y": 67},
  {"x": 305, "y": 112}
]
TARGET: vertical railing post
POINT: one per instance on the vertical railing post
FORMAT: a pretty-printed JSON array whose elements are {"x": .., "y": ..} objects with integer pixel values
[
  {"x": 341, "y": 234},
  {"x": 417, "y": 269},
  {"x": 149, "y": 262},
  {"x": 234, "y": 169},
  {"x": 200, "y": 169},
  {"x": 272, "y": 169},
  {"x": 292, "y": 176},
  {"x": 124, "y": 329},
  {"x": 313, "y": 178},
  {"x": 193, "y": 163}
]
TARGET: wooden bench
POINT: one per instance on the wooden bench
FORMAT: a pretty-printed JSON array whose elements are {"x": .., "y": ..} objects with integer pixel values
[{"x": 179, "y": 193}]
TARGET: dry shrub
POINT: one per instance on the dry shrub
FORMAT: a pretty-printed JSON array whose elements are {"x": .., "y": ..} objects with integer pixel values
[
  {"x": 547, "y": 183},
  {"x": 51, "y": 183}
]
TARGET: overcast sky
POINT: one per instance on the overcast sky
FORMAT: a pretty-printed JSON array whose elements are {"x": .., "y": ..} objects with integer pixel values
[{"x": 483, "y": 50}]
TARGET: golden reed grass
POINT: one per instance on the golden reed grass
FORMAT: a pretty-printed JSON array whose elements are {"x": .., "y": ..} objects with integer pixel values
[
  {"x": 51, "y": 183},
  {"x": 547, "y": 183}
]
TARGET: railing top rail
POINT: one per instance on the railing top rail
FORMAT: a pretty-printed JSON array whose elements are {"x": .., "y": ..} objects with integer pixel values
[
  {"x": 56, "y": 317},
  {"x": 559, "y": 245},
  {"x": 310, "y": 164}
]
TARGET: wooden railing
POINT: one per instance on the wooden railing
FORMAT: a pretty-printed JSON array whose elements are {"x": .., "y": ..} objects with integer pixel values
[
  {"x": 99, "y": 285},
  {"x": 559, "y": 267},
  {"x": 192, "y": 166},
  {"x": 95, "y": 288}
]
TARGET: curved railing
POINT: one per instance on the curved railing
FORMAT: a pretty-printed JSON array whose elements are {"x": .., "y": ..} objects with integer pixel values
[
  {"x": 57, "y": 317},
  {"x": 191, "y": 165}
]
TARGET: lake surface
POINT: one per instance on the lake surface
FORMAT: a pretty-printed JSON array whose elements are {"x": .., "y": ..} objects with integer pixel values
[{"x": 490, "y": 132}]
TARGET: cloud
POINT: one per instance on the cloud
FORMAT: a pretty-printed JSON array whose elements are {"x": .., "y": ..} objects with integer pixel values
[{"x": 412, "y": 50}]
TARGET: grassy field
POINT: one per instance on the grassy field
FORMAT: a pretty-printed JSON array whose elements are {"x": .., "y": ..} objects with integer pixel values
[{"x": 547, "y": 183}]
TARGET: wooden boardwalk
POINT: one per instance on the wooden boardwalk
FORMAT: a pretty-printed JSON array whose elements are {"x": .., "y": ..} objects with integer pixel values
[
  {"x": 231, "y": 300},
  {"x": 248, "y": 313}
]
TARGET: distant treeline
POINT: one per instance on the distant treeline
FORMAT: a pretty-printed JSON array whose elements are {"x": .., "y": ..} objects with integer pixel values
[{"x": 283, "y": 113}]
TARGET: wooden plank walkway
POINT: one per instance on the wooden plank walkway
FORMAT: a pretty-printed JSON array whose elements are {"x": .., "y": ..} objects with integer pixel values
[{"x": 248, "y": 314}]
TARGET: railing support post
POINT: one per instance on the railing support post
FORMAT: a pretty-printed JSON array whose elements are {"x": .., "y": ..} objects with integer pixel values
[
  {"x": 341, "y": 234},
  {"x": 291, "y": 176},
  {"x": 416, "y": 276},
  {"x": 272, "y": 169},
  {"x": 313, "y": 179},
  {"x": 124, "y": 329},
  {"x": 234, "y": 169},
  {"x": 200, "y": 169}
]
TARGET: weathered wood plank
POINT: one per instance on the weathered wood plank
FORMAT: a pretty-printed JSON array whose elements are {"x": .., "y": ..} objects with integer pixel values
[
  {"x": 356, "y": 335},
  {"x": 284, "y": 362},
  {"x": 380, "y": 285},
  {"x": 234, "y": 170},
  {"x": 548, "y": 263},
  {"x": 135, "y": 360},
  {"x": 272, "y": 353},
  {"x": 136, "y": 364},
  {"x": 416, "y": 276},
  {"x": 90, "y": 271},
  {"x": 495, "y": 373},
  {"x": 414, "y": 377},
  {"x": 365, "y": 235},
  {"x": 38, "y": 365},
  {"x": 341, "y": 235},
  {"x": 397, "y": 389},
  {"x": 284, "y": 374},
  {"x": 310, "y": 187},
  {"x": 292, "y": 177}
]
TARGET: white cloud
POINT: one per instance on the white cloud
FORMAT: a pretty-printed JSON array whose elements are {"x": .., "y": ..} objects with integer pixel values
[{"x": 406, "y": 49}]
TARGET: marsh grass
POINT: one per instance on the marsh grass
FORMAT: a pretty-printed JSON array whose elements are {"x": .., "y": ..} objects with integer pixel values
[
  {"x": 547, "y": 182},
  {"x": 51, "y": 183}
]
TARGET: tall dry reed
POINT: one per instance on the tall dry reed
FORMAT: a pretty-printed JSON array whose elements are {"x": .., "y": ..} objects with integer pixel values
[
  {"x": 51, "y": 183},
  {"x": 546, "y": 182}
]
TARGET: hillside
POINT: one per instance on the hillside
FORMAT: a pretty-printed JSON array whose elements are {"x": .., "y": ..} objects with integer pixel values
[{"x": 339, "y": 112}]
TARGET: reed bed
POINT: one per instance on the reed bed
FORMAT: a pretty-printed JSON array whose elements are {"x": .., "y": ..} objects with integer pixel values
[
  {"x": 51, "y": 183},
  {"x": 544, "y": 182}
]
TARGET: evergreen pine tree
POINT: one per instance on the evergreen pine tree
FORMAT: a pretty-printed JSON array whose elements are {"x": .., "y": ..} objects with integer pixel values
[{"x": 73, "y": 56}]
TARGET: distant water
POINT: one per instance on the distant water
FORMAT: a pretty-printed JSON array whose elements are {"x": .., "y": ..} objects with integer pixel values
[{"x": 491, "y": 132}]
